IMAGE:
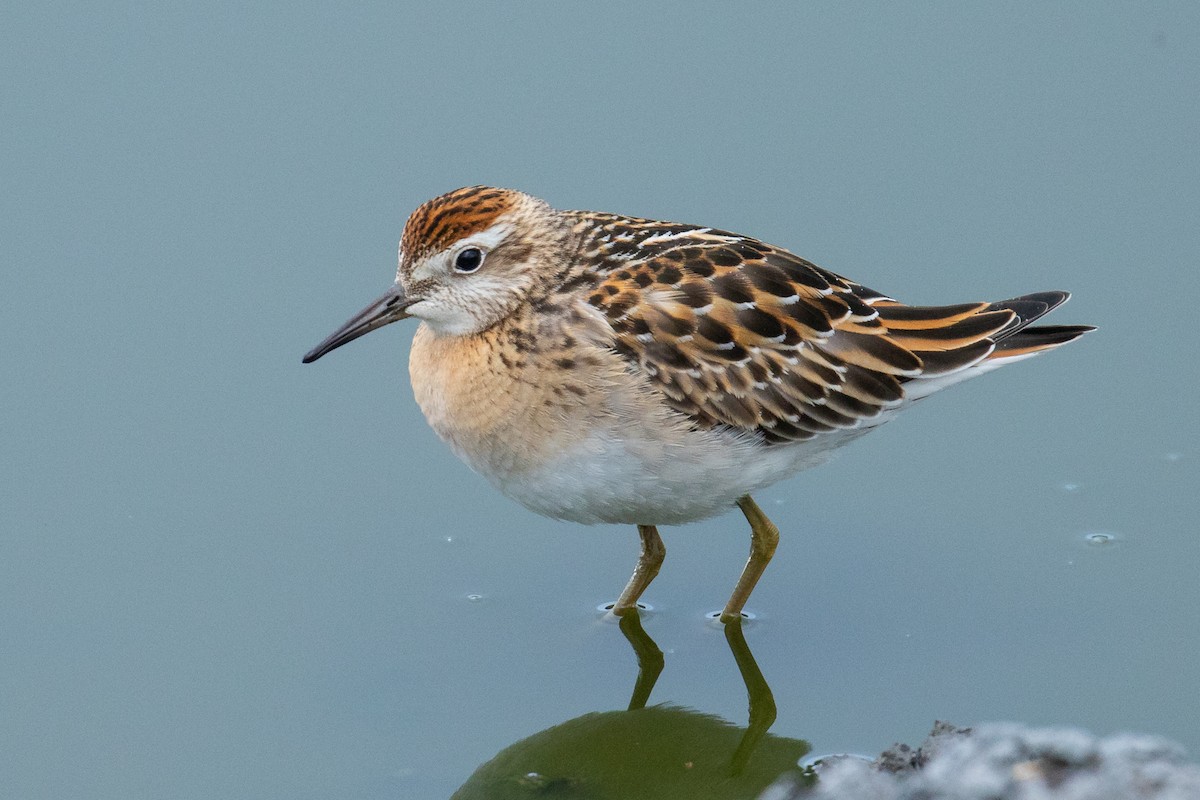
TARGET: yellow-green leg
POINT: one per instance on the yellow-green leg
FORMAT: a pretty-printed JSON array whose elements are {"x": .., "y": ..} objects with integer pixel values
[
  {"x": 648, "y": 563},
  {"x": 764, "y": 538}
]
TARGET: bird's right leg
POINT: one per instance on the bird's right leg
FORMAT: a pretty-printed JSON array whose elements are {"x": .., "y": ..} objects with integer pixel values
[{"x": 764, "y": 538}]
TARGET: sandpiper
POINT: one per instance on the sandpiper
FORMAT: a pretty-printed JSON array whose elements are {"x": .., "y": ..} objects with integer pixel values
[{"x": 604, "y": 368}]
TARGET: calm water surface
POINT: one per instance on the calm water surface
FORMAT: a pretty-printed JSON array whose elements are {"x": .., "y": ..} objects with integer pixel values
[{"x": 228, "y": 575}]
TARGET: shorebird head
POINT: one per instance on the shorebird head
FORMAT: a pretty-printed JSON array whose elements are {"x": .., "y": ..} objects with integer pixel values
[{"x": 467, "y": 260}]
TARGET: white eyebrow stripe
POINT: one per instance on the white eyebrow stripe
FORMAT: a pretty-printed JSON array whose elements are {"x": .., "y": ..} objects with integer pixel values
[{"x": 486, "y": 239}]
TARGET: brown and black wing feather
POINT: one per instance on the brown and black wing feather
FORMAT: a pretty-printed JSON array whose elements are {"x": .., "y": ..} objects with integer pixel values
[{"x": 736, "y": 332}]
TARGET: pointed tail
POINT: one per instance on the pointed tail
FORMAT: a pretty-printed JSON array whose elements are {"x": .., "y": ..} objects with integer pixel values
[{"x": 1019, "y": 340}]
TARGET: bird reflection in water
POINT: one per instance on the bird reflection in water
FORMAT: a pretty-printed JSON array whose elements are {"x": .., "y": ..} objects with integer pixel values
[{"x": 655, "y": 752}]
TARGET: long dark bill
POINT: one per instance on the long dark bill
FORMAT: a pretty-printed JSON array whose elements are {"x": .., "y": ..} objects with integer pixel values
[{"x": 388, "y": 308}]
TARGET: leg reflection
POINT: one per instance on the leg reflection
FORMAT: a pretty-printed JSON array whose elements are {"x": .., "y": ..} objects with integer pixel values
[
  {"x": 649, "y": 658},
  {"x": 758, "y": 693},
  {"x": 762, "y": 710}
]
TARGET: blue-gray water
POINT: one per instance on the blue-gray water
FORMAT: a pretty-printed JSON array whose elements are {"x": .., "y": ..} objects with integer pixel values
[{"x": 225, "y": 574}]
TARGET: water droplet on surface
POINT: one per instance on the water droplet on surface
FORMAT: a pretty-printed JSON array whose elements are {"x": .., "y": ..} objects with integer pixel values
[{"x": 1100, "y": 538}]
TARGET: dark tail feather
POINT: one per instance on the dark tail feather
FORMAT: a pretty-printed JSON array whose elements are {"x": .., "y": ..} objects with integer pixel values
[
  {"x": 1039, "y": 337},
  {"x": 1019, "y": 339}
]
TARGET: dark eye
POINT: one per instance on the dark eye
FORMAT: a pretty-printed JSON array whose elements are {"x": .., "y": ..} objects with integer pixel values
[{"x": 468, "y": 260}]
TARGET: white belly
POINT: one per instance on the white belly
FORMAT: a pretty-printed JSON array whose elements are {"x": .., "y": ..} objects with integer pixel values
[{"x": 638, "y": 478}]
